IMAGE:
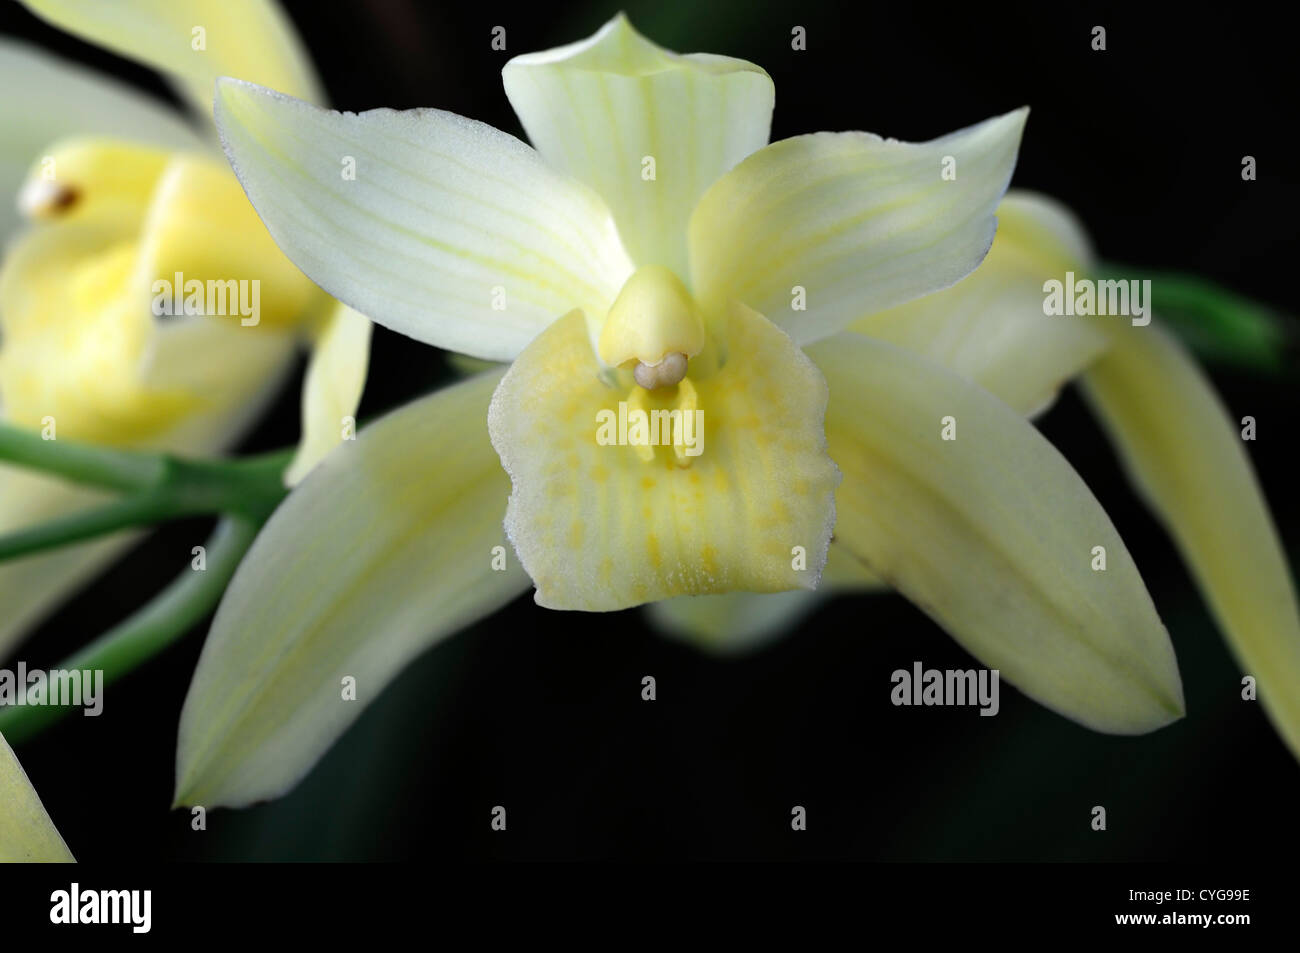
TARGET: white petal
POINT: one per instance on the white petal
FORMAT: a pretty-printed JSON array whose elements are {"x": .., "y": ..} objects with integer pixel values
[
  {"x": 1187, "y": 457},
  {"x": 994, "y": 536},
  {"x": 857, "y": 222},
  {"x": 336, "y": 376},
  {"x": 385, "y": 548},
  {"x": 451, "y": 232},
  {"x": 990, "y": 327},
  {"x": 648, "y": 129}
]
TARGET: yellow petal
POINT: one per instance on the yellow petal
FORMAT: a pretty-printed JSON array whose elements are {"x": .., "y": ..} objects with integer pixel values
[
  {"x": 990, "y": 327},
  {"x": 93, "y": 180},
  {"x": 194, "y": 41},
  {"x": 75, "y": 339},
  {"x": 1187, "y": 457},
  {"x": 27, "y": 835},
  {"x": 648, "y": 129},
  {"x": 820, "y": 230},
  {"x": 602, "y": 527},
  {"x": 994, "y": 536},
  {"x": 201, "y": 228},
  {"x": 231, "y": 373},
  {"x": 61, "y": 99},
  {"x": 387, "y": 548},
  {"x": 336, "y": 376}
]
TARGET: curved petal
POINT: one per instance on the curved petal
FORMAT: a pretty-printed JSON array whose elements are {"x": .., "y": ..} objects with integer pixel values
[
  {"x": 598, "y": 109},
  {"x": 233, "y": 372},
  {"x": 194, "y": 41},
  {"x": 721, "y": 504},
  {"x": 382, "y": 551},
  {"x": 990, "y": 327},
  {"x": 336, "y": 375},
  {"x": 1187, "y": 458},
  {"x": 992, "y": 534},
  {"x": 201, "y": 228},
  {"x": 858, "y": 222},
  {"x": 27, "y": 835},
  {"x": 60, "y": 99},
  {"x": 74, "y": 338},
  {"x": 448, "y": 230}
]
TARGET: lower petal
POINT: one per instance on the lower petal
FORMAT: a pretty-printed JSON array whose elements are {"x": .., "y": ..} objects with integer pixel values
[
  {"x": 602, "y": 524},
  {"x": 27, "y": 835},
  {"x": 336, "y": 375},
  {"x": 960, "y": 504},
  {"x": 1188, "y": 459},
  {"x": 393, "y": 543}
]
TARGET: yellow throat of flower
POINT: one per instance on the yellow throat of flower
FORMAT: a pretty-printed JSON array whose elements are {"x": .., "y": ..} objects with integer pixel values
[{"x": 655, "y": 328}]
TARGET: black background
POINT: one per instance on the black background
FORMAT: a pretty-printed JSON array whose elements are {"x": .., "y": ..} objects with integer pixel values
[{"x": 541, "y": 712}]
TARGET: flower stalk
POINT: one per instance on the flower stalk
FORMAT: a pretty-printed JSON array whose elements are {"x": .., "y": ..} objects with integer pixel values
[
  {"x": 159, "y": 487},
  {"x": 151, "y": 629}
]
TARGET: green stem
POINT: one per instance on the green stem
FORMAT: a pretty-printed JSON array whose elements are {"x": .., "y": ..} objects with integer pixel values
[
  {"x": 161, "y": 487},
  {"x": 1219, "y": 324},
  {"x": 115, "y": 469},
  {"x": 167, "y": 617},
  {"x": 132, "y": 511}
]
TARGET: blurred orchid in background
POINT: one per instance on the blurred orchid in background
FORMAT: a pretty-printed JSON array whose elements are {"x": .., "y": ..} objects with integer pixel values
[{"x": 120, "y": 192}]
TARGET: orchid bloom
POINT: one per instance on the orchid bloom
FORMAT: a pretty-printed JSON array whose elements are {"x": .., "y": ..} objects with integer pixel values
[
  {"x": 652, "y": 252},
  {"x": 120, "y": 194}
]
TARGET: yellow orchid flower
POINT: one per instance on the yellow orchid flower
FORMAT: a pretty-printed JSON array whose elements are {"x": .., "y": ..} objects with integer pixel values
[
  {"x": 27, "y": 835},
  {"x": 145, "y": 305},
  {"x": 652, "y": 253}
]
